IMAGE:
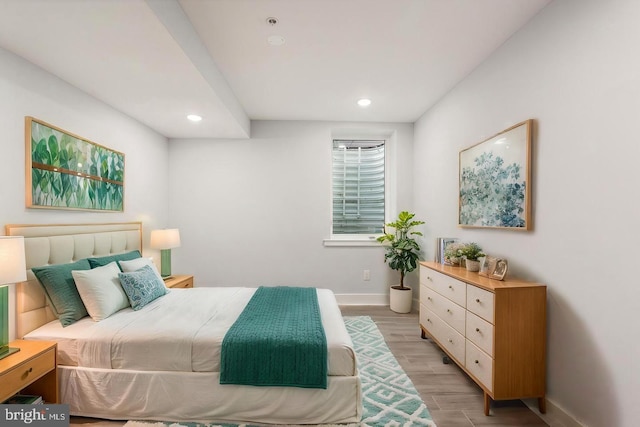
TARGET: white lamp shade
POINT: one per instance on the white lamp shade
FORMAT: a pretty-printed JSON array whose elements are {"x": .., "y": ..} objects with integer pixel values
[
  {"x": 168, "y": 238},
  {"x": 12, "y": 261}
]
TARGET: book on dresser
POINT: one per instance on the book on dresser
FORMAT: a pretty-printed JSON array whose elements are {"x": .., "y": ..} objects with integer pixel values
[{"x": 495, "y": 331}]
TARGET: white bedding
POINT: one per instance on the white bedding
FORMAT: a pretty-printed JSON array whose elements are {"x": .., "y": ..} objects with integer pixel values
[{"x": 181, "y": 331}]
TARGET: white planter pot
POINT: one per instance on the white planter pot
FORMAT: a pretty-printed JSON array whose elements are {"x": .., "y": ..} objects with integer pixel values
[
  {"x": 400, "y": 301},
  {"x": 472, "y": 265}
]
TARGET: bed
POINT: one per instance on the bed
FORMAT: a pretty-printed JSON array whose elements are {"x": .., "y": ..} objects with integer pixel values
[{"x": 141, "y": 365}]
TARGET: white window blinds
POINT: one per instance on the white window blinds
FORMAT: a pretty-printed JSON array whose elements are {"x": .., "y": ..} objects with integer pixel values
[{"x": 358, "y": 187}]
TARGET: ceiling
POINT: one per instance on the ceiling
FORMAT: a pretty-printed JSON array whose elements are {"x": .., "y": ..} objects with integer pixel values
[{"x": 159, "y": 60}]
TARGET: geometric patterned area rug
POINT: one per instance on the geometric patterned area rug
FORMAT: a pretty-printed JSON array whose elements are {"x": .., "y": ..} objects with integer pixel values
[{"x": 389, "y": 398}]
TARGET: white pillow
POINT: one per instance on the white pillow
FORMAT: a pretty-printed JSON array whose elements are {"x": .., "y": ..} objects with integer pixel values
[
  {"x": 101, "y": 291},
  {"x": 136, "y": 264}
]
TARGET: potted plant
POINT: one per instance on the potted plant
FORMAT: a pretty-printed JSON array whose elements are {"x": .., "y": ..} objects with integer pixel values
[
  {"x": 453, "y": 253},
  {"x": 402, "y": 254},
  {"x": 471, "y": 252}
]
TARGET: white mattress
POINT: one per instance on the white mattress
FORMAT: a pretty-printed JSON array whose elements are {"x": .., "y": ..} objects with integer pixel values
[{"x": 181, "y": 331}]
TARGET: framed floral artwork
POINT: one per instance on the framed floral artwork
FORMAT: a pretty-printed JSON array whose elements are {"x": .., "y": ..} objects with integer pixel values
[
  {"x": 65, "y": 171},
  {"x": 495, "y": 181}
]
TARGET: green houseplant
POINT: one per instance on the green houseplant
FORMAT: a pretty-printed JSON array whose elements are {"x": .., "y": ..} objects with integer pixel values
[
  {"x": 471, "y": 252},
  {"x": 402, "y": 254}
]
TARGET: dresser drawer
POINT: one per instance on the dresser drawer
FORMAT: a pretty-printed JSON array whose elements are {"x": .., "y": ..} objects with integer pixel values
[
  {"x": 447, "y": 310},
  {"x": 480, "y": 332},
  {"x": 479, "y": 364},
  {"x": 480, "y": 302},
  {"x": 448, "y": 337},
  {"x": 450, "y": 288},
  {"x": 29, "y": 371}
]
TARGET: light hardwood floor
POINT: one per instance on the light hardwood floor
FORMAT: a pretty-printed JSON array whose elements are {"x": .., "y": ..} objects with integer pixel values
[{"x": 452, "y": 398}]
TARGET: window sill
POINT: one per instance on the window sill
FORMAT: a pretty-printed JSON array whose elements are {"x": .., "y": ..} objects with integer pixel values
[{"x": 366, "y": 241}]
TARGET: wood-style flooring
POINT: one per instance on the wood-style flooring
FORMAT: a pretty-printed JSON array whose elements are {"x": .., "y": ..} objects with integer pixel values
[{"x": 452, "y": 398}]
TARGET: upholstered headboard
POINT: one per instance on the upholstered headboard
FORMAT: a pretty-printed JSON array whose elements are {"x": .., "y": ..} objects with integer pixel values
[{"x": 58, "y": 244}]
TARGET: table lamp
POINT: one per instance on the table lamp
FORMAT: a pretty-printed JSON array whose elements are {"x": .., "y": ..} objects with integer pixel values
[
  {"x": 165, "y": 240},
  {"x": 12, "y": 269}
]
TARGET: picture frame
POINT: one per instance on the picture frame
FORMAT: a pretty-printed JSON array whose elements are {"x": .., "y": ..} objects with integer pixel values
[
  {"x": 66, "y": 171},
  {"x": 495, "y": 181},
  {"x": 487, "y": 265},
  {"x": 441, "y": 245},
  {"x": 500, "y": 270}
]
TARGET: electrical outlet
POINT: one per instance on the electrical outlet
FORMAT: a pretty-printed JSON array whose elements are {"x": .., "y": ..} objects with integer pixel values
[{"x": 366, "y": 276}]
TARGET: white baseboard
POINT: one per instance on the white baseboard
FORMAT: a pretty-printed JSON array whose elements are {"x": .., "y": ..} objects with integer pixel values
[
  {"x": 362, "y": 299},
  {"x": 555, "y": 416}
]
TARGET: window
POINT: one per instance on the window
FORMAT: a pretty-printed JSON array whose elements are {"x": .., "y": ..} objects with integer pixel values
[{"x": 358, "y": 181}]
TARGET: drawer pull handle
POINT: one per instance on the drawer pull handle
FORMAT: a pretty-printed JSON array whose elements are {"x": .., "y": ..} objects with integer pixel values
[
  {"x": 428, "y": 320},
  {"x": 429, "y": 278},
  {"x": 478, "y": 330},
  {"x": 429, "y": 298},
  {"x": 478, "y": 300},
  {"x": 448, "y": 311},
  {"x": 477, "y": 362},
  {"x": 450, "y": 340},
  {"x": 450, "y": 287},
  {"x": 27, "y": 372}
]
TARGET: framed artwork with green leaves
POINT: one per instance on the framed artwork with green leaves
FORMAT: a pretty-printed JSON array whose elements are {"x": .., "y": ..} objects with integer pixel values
[
  {"x": 495, "y": 181},
  {"x": 66, "y": 171}
]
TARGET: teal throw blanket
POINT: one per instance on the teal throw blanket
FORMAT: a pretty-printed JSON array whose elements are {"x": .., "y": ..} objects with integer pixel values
[{"x": 278, "y": 340}]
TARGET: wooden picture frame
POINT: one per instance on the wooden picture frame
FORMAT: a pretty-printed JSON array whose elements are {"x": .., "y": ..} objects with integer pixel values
[
  {"x": 500, "y": 270},
  {"x": 495, "y": 181},
  {"x": 66, "y": 171}
]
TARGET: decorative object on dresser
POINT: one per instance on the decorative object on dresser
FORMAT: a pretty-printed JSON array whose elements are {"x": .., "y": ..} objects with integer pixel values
[
  {"x": 500, "y": 270},
  {"x": 66, "y": 171},
  {"x": 165, "y": 240},
  {"x": 495, "y": 181},
  {"x": 495, "y": 331},
  {"x": 471, "y": 252},
  {"x": 179, "y": 281},
  {"x": 487, "y": 265},
  {"x": 31, "y": 371},
  {"x": 453, "y": 253},
  {"x": 12, "y": 270},
  {"x": 441, "y": 245},
  {"x": 402, "y": 255}
]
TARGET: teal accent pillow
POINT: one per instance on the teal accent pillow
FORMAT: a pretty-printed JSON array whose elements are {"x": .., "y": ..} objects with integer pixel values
[
  {"x": 102, "y": 261},
  {"x": 142, "y": 286},
  {"x": 60, "y": 289}
]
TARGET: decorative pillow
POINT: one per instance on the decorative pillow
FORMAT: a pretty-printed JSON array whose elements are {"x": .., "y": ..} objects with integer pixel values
[
  {"x": 142, "y": 286},
  {"x": 60, "y": 289},
  {"x": 101, "y": 291},
  {"x": 137, "y": 264},
  {"x": 102, "y": 261}
]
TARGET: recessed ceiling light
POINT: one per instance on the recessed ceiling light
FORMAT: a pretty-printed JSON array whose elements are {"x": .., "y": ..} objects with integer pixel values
[
  {"x": 275, "y": 40},
  {"x": 194, "y": 117},
  {"x": 364, "y": 102}
]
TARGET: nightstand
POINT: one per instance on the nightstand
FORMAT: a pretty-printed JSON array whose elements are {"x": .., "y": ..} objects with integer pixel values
[
  {"x": 32, "y": 370},
  {"x": 179, "y": 281}
]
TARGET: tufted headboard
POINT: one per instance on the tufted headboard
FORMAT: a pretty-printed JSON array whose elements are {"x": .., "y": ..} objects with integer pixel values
[{"x": 58, "y": 244}]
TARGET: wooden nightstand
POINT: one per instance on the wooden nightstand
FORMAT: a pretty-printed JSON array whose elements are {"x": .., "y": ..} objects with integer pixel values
[
  {"x": 179, "y": 281},
  {"x": 32, "y": 370}
]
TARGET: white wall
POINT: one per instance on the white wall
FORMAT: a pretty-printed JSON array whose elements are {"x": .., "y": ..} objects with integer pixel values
[
  {"x": 575, "y": 69},
  {"x": 255, "y": 212},
  {"x": 26, "y": 90}
]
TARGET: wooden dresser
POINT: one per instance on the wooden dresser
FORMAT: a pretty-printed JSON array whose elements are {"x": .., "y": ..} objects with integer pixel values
[{"x": 494, "y": 330}]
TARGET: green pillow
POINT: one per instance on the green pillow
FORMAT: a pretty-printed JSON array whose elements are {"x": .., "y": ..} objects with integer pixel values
[
  {"x": 102, "y": 261},
  {"x": 61, "y": 291}
]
